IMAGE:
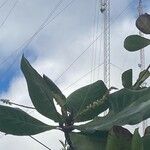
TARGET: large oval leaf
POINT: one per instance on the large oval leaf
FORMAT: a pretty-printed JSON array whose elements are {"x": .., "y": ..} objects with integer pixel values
[
  {"x": 39, "y": 92},
  {"x": 143, "y": 23},
  {"x": 17, "y": 122},
  {"x": 85, "y": 97},
  {"x": 131, "y": 110},
  {"x": 135, "y": 42}
]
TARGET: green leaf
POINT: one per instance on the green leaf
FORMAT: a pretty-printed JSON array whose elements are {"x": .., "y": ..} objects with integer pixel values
[
  {"x": 119, "y": 138},
  {"x": 88, "y": 142},
  {"x": 127, "y": 79},
  {"x": 127, "y": 107},
  {"x": 146, "y": 139},
  {"x": 39, "y": 92},
  {"x": 143, "y": 23},
  {"x": 137, "y": 143},
  {"x": 146, "y": 142},
  {"x": 17, "y": 122},
  {"x": 135, "y": 42},
  {"x": 55, "y": 91},
  {"x": 85, "y": 97},
  {"x": 144, "y": 75}
]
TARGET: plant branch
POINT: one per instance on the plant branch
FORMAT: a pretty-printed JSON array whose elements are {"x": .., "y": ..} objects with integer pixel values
[
  {"x": 67, "y": 136},
  {"x": 39, "y": 142},
  {"x": 6, "y": 101}
]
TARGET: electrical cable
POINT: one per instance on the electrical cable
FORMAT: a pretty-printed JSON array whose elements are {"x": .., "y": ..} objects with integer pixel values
[
  {"x": 10, "y": 11},
  {"x": 39, "y": 142},
  {"x": 83, "y": 76},
  {"x": 42, "y": 26},
  {"x": 3, "y": 3},
  {"x": 27, "y": 42},
  {"x": 75, "y": 60}
]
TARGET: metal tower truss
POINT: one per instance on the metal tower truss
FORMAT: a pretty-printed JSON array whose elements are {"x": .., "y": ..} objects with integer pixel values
[
  {"x": 142, "y": 56},
  {"x": 105, "y": 10}
]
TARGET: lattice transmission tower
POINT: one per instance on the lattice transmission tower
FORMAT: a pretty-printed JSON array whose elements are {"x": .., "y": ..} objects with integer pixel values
[
  {"x": 142, "y": 55},
  {"x": 105, "y": 10}
]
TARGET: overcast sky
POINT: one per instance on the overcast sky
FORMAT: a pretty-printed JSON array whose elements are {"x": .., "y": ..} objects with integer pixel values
[{"x": 56, "y": 46}]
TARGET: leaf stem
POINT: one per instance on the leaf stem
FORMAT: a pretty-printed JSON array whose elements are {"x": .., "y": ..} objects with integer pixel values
[{"x": 67, "y": 136}]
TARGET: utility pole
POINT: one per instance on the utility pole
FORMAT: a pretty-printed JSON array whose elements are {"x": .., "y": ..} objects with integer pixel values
[
  {"x": 142, "y": 55},
  {"x": 105, "y": 10}
]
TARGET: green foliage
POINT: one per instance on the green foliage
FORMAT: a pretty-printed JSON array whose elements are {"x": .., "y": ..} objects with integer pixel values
[
  {"x": 55, "y": 91},
  {"x": 87, "y": 98},
  {"x": 129, "y": 105},
  {"x": 119, "y": 139},
  {"x": 39, "y": 92},
  {"x": 17, "y": 122},
  {"x": 126, "y": 107},
  {"x": 143, "y": 23},
  {"x": 144, "y": 75},
  {"x": 127, "y": 79},
  {"x": 137, "y": 142},
  {"x": 88, "y": 141},
  {"x": 135, "y": 42}
]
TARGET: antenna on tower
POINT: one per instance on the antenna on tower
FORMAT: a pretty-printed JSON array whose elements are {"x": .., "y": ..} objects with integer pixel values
[
  {"x": 142, "y": 54},
  {"x": 105, "y": 10}
]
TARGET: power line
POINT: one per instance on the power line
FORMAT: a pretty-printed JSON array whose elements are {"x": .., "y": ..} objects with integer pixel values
[
  {"x": 92, "y": 43},
  {"x": 42, "y": 26},
  {"x": 27, "y": 42},
  {"x": 39, "y": 142},
  {"x": 10, "y": 11},
  {"x": 83, "y": 76},
  {"x": 3, "y": 3}
]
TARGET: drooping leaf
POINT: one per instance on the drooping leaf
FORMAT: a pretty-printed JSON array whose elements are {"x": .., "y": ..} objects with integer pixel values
[
  {"x": 17, "y": 122},
  {"x": 88, "y": 142},
  {"x": 143, "y": 23},
  {"x": 132, "y": 109},
  {"x": 39, "y": 92},
  {"x": 137, "y": 143},
  {"x": 135, "y": 42},
  {"x": 55, "y": 91},
  {"x": 127, "y": 79},
  {"x": 84, "y": 97},
  {"x": 119, "y": 138}
]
